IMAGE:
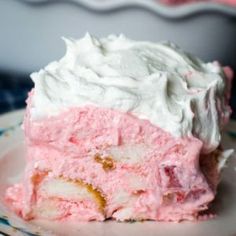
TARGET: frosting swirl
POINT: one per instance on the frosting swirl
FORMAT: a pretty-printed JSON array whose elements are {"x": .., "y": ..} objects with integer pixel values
[{"x": 154, "y": 81}]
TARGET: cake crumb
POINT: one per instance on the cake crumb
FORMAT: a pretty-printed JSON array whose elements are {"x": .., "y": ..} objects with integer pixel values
[{"x": 106, "y": 162}]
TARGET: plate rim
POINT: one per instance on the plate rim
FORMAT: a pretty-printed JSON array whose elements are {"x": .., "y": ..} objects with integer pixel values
[{"x": 167, "y": 11}]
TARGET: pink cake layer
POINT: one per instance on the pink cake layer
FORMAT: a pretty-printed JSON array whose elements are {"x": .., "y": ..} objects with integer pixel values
[{"x": 126, "y": 168}]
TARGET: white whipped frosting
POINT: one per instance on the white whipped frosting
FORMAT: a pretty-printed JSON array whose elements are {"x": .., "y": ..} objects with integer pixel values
[{"x": 154, "y": 81}]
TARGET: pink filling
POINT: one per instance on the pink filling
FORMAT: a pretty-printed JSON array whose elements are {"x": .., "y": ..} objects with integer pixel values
[{"x": 164, "y": 181}]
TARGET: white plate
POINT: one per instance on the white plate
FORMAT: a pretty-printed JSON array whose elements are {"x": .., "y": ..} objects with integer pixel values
[{"x": 12, "y": 165}]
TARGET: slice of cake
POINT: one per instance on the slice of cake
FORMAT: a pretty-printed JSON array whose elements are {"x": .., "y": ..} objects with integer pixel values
[{"x": 125, "y": 130}]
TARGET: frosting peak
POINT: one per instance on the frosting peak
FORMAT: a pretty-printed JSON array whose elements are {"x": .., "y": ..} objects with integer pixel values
[{"x": 154, "y": 81}]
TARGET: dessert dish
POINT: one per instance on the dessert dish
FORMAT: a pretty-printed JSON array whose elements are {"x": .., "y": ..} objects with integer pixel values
[
  {"x": 125, "y": 130},
  {"x": 181, "y": 2}
]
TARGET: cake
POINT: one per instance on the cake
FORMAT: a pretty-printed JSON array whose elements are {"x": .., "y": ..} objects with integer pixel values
[{"x": 125, "y": 130}]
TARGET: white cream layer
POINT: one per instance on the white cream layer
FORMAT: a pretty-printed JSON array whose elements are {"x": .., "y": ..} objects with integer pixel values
[{"x": 154, "y": 81}]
